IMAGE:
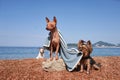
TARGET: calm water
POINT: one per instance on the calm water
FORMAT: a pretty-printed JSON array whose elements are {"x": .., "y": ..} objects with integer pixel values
[{"x": 32, "y": 52}]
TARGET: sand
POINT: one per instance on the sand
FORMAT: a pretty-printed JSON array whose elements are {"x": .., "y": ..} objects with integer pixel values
[{"x": 31, "y": 69}]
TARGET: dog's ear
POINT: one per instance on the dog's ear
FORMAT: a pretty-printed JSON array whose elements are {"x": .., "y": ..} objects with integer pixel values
[
  {"x": 47, "y": 20},
  {"x": 80, "y": 43},
  {"x": 89, "y": 42},
  {"x": 55, "y": 20},
  {"x": 90, "y": 46}
]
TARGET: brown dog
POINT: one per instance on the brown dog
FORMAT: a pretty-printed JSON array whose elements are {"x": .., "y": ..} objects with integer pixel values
[
  {"x": 86, "y": 48},
  {"x": 86, "y": 61},
  {"x": 54, "y": 37}
]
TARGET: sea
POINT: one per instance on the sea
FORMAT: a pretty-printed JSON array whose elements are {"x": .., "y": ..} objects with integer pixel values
[{"x": 13, "y": 53}]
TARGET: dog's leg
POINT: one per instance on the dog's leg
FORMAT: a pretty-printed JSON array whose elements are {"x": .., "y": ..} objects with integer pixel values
[
  {"x": 94, "y": 64},
  {"x": 88, "y": 66},
  {"x": 81, "y": 66},
  {"x": 57, "y": 49},
  {"x": 51, "y": 51}
]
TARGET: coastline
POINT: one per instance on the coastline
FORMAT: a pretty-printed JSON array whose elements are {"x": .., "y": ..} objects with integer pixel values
[
  {"x": 106, "y": 47},
  {"x": 32, "y": 69}
]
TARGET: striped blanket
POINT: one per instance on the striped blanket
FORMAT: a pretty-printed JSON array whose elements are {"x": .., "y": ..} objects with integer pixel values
[{"x": 71, "y": 57}]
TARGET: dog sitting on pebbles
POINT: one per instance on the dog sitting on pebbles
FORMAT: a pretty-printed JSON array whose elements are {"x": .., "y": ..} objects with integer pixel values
[{"x": 86, "y": 61}]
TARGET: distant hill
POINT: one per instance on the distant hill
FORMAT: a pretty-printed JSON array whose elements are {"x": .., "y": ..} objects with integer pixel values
[
  {"x": 72, "y": 45},
  {"x": 118, "y": 45},
  {"x": 99, "y": 44}
]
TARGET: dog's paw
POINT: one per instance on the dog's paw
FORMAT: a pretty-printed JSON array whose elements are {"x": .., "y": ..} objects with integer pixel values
[
  {"x": 51, "y": 59},
  {"x": 88, "y": 72},
  {"x": 56, "y": 58},
  {"x": 81, "y": 71}
]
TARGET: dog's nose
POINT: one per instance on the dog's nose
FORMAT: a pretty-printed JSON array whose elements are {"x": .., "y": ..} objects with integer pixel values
[{"x": 46, "y": 28}]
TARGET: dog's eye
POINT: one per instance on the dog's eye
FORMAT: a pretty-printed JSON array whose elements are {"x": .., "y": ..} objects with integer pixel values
[{"x": 80, "y": 46}]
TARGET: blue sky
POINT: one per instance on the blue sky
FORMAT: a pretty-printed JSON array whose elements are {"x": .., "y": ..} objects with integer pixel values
[{"x": 22, "y": 22}]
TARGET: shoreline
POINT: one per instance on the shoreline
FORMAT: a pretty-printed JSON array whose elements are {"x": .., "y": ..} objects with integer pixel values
[
  {"x": 41, "y": 46},
  {"x": 106, "y": 47},
  {"x": 48, "y": 58},
  {"x": 32, "y": 69}
]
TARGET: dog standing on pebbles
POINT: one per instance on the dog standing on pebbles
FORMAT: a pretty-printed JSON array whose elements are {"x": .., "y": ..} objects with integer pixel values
[{"x": 54, "y": 37}]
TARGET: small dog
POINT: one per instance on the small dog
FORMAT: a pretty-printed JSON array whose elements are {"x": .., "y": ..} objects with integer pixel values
[
  {"x": 86, "y": 61},
  {"x": 41, "y": 53},
  {"x": 54, "y": 37},
  {"x": 86, "y": 48}
]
